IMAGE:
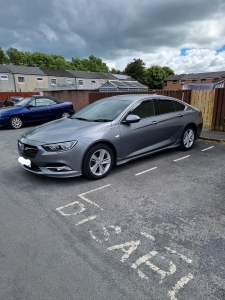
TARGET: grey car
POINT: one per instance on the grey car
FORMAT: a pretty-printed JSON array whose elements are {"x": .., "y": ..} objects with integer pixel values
[{"x": 109, "y": 132}]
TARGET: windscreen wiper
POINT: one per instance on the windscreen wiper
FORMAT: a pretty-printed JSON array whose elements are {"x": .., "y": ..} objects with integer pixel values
[
  {"x": 102, "y": 120},
  {"x": 83, "y": 119}
]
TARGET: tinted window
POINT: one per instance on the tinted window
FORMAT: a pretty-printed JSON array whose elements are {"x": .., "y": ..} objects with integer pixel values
[
  {"x": 144, "y": 110},
  {"x": 179, "y": 106},
  {"x": 165, "y": 106}
]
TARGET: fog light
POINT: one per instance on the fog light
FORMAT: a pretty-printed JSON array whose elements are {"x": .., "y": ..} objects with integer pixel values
[{"x": 59, "y": 169}]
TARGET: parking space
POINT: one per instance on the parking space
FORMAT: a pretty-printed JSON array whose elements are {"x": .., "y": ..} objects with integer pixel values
[{"x": 152, "y": 229}]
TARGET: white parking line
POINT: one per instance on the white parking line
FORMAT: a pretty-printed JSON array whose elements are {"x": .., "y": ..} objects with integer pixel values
[
  {"x": 208, "y": 148},
  {"x": 146, "y": 171},
  {"x": 182, "y": 158},
  {"x": 89, "y": 201}
]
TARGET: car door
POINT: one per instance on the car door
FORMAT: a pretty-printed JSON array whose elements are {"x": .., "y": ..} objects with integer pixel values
[
  {"x": 37, "y": 110},
  {"x": 141, "y": 137},
  {"x": 171, "y": 120}
]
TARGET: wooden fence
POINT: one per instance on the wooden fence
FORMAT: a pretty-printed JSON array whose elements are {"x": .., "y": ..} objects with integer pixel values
[
  {"x": 5, "y": 95},
  {"x": 218, "y": 117}
]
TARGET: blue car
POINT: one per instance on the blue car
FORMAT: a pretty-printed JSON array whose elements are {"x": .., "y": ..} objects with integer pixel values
[{"x": 39, "y": 109}]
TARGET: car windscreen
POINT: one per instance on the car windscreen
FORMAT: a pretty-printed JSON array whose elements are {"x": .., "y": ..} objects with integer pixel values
[
  {"x": 103, "y": 110},
  {"x": 24, "y": 102}
]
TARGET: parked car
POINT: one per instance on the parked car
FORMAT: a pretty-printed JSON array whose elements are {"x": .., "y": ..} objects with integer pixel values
[
  {"x": 109, "y": 132},
  {"x": 35, "y": 109},
  {"x": 11, "y": 101}
]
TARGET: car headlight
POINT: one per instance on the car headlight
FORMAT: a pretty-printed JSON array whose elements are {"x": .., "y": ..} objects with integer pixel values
[{"x": 59, "y": 146}]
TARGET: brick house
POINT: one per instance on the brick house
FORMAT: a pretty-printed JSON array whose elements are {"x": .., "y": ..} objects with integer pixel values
[{"x": 176, "y": 82}]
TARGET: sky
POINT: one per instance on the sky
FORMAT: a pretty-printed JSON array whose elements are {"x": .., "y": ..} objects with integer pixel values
[{"x": 187, "y": 36}]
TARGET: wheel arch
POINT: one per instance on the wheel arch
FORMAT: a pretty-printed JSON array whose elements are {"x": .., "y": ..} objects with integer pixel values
[
  {"x": 109, "y": 144},
  {"x": 193, "y": 125}
]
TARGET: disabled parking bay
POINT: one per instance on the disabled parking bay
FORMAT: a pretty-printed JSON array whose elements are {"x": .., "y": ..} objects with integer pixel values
[{"x": 152, "y": 229}]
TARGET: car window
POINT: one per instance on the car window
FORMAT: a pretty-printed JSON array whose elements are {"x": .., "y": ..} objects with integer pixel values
[
  {"x": 32, "y": 103},
  {"x": 42, "y": 102},
  {"x": 179, "y": 105},
  {"x": 144, "y": 110},
  {"x": 52, "y": 102},
  {"x": 165, "y": 106}
]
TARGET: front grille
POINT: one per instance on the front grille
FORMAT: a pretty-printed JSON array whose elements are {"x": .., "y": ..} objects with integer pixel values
[{"x": 27, "y": 151}]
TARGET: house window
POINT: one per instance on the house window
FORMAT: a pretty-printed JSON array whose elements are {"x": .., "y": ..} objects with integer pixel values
[
  {"x": 215, "y": 80},
  {"x": 182, "y": 82},
  {"x": 174, "y": 81},
  {"x": 4, "y": 77},
  {"x": 193, "y": 80},
  {"x": 68, "y": 80},
  {"x": 203, "y": 81},
  {"x": 165, "y": 83},
  {"x": 53, "y": 81},
  {"x": 80, "y": 82},
  {"x": 39, "y": 78},
  {"x": 21, "y": 79}
]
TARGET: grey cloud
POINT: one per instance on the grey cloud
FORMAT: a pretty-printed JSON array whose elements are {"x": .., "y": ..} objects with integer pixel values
[{"x": 104, "y": 28}]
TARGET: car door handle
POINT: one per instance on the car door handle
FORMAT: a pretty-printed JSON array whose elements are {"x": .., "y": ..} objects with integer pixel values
[
  {"x": 180, "y": 115},
  {"x": 154, "y": 122}
]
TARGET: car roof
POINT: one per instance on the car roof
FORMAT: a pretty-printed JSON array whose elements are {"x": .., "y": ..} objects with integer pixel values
[
  {"x": 49, "y": 97},
  {"x": 137, "y": 97}
]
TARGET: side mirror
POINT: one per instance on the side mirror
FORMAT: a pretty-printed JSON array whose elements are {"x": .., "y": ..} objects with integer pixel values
[
  {"x": 29, "y": 106},
  {"x": 131, "y": 119}
]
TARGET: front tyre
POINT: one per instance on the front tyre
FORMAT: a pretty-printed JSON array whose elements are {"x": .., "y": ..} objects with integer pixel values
[
  {"x": 16, "y": 122},
  {"x": 187, "y": 138},
  {"x": 98, "y": 162}
]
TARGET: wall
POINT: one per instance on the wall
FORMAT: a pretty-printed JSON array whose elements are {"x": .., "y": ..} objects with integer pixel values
[
  {"x": 30, "y": 83},
  {"x": 170, "y": 85},
  {"x": 61, "y": 82},
  {"x": 7, "y": 85},
  {"x": 79, "y": 99}
]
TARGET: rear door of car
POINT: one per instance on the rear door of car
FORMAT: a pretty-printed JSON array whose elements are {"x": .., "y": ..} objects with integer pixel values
[
  {"x": 38, "y": 110},
  {"x": 171, "y": 120}
]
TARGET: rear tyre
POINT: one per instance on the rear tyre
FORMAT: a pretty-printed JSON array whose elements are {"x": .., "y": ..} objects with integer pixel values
[
  {"x": 16, "y": 122},
  {"x": 65, "y": 114},
  {"x": 98, "y": 162},
  {"x": 187, "y": 138}
]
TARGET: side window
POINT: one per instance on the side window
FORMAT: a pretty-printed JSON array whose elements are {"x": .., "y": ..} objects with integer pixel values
[
  {"x": 179, "y": 106},
  {"x": 144, "y": 110},
  {"x": 52, "y": 102},
  {"x": 42, "y": 102},
  {"x": 32, "y": 103},
  {"x": 165, "y": 106}
]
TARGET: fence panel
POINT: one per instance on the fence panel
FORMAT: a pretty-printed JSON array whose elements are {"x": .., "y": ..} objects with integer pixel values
[
  {"x": 204, "y": 100},
  {"x": 218, "y": 122}
]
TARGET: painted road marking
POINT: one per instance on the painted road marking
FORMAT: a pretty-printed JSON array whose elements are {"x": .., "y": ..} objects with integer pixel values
[
  {"x": 82, "y": 208},
  {"x": 149, "y": 236},
  {"x": 180, "y": 284},
  {"x": 145, "y": 171},
  {"x": 132, "y": 246},
  {"x": 89, "y": 201},
  {"x": 188, "y": 260},
  {"x": 208, "y": 148},
  {"x": 145, "y": 259},
  {"x": 182, "y": 158},
  {"x": 86, "y": 220}
]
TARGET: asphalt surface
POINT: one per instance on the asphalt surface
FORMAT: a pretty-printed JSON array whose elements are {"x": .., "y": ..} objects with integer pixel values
[{"x": 133, "y": 235}]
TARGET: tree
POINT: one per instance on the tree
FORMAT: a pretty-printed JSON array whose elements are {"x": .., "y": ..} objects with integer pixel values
[
  {"x": 92, "y": 64},
  {"x": 155, "y": 75},
  {"x": 114, "y": 71},
  {"x": 15, "y": 56},
  {"x": 136, "y": 69},
  {"x": 3, "y": 57}
]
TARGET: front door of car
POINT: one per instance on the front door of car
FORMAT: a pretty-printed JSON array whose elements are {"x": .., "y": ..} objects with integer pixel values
[
  {"x": 143, "y": 136},
  {"x": 38, "y": 110}
]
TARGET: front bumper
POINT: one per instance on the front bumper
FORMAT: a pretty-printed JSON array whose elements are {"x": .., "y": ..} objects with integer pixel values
[{"x": 46, "y": 163}]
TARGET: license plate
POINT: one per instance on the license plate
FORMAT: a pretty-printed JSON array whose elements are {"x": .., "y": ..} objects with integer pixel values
[{"x": 25, "y": 162}]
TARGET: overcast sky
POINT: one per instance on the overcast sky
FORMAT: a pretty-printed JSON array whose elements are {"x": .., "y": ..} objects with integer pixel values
[{"x": 188, "y": 36}]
